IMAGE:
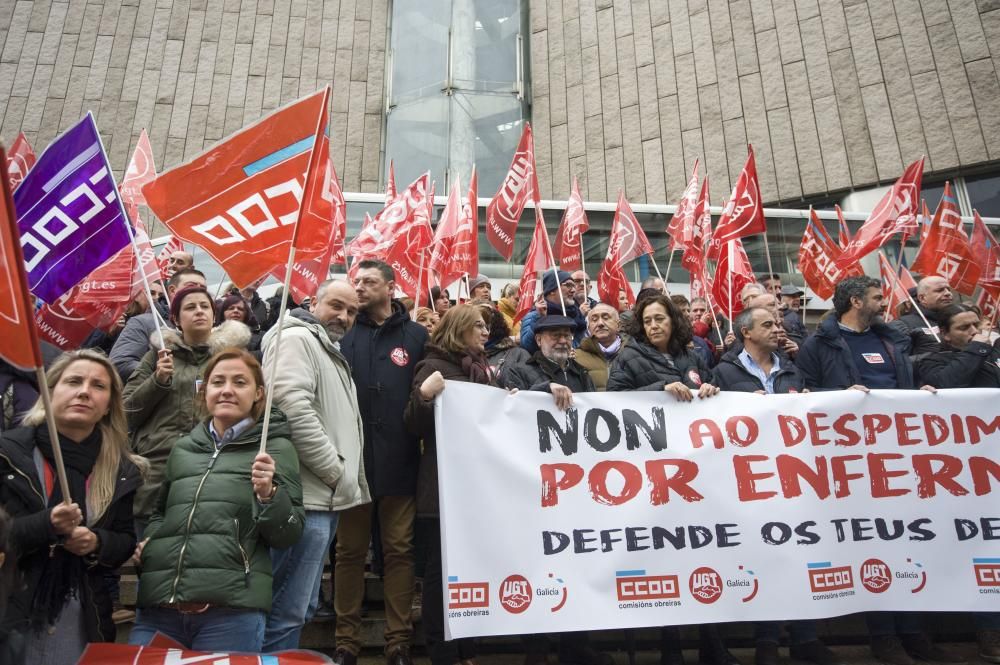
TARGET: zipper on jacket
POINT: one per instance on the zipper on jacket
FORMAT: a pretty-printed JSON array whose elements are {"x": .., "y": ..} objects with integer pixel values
[
  {"x": 187, "y": 528},
  {"x": 243, "y": 552},
  {"x": 25, "y": 476}
]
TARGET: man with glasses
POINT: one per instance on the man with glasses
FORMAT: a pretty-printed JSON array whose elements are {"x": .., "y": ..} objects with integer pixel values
[
  {"x": 551, "y": 369},
  {"x": 582, "y": 296}
]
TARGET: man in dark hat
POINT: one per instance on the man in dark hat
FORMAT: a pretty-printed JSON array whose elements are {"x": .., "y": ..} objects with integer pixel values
[
  {"x": 565, "y": 306},
  {"x": 551, "y": 369},
  {"x": 791, "y": 301}
]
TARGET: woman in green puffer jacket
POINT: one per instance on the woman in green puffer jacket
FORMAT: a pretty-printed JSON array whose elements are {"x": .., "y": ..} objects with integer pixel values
[{"x": 206, "y": 564}]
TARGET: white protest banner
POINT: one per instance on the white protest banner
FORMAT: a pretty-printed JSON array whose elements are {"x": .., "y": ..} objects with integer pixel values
[{"x": 632, "y": 509}]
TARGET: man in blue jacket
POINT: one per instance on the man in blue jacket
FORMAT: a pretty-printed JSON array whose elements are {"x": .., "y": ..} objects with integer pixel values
[
  {"x": 555, "y": 306},
  {"x": 382, "y": 349},
  {"x": 856, "y": 350}
]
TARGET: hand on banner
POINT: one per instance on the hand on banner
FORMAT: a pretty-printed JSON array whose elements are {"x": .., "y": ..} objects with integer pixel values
[
  {"x": 164, "y": 367},
  {"x": 65, "y": 517},
  {"x": 707, "y": 390},
  {"x": 860, "y": 387},
  {"x": 680, "y": 392},
  {"x": 432, "y": 386},
  {"x": 562, "y": 395},
  {"x": 82, "y": 541},
  {"x": 262, "y": 477},
  {"x": 929, "y": 388}
]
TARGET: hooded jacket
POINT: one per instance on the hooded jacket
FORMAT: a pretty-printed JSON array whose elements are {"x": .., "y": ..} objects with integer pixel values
[
  {"x": 975, "y": 366},
  {"x": 382, "y": 360},
  {"x": 159, "y": 414},
  {"x": 209, "y": 537},
  {"x": 21, "y": 495},
  {"x": 639, "y": 366},
  {"x": 826, "y": 362},
  {"x": 731, "y": 375},
  {"x": 313, "y": 386}
]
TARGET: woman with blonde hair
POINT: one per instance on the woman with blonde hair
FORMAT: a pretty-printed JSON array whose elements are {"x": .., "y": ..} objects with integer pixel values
[
  {"x": 64, "y": 549},
  {"x": 456, "y": 351}
]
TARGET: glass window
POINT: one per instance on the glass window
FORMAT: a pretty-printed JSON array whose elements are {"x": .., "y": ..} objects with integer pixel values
[
  {"x": 419, "y": 48},
  {"x": 418, "y": 134},
  {"x": 984, "y": 194}
]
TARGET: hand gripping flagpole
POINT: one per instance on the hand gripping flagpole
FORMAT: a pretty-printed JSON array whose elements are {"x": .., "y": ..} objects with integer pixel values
[
  {"x": 21, "y": 293},
  {"x": 913, "y": 303},
  {"x": 131, "y": 237},
  {"x": 306, "y": 195}
]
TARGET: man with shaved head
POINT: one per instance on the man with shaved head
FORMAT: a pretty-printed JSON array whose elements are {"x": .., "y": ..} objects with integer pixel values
[
  {"x": 179, "y": 261},
  {"x": 933, "y": 295}
]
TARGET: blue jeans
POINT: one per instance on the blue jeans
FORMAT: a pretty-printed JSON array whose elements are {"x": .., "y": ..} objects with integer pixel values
[
  {"x": 298, "y": 572},
  {"x": 219, "y": 629},
  {"x": 799, "y": 632}
]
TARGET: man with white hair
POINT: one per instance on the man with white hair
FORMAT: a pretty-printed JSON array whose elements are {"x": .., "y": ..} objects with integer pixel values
[{"x": 933, "y": 295}]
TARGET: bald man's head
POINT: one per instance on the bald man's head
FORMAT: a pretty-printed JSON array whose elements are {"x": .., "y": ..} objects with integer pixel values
[{"x": 933, "y": 293}]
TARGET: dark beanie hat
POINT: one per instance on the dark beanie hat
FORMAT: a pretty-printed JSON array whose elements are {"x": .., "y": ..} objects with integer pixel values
[
  {"x": 549, "y": 280},
  {"x": 181, "y": 294}
]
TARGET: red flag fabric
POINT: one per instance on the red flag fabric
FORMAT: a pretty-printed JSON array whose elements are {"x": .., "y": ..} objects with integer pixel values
[
  {"x": 251, "y": 197},
  {"x": 611, "y": 281},
  {"x": 60, "y": 325},
  {"x": 743, "y": 214},
  {"x": 390, "y": 185},
  {"x": 985, "y": 250},
  {"x": 925, "y": 221},
  {"x": 569, "y": 243},
  {"x": 470, "y": 220},
  {"x": 455, "y": 240},
  {"x": 167, "y": 652},
  {"x": 339, "y": 219},
  {"x": 175, "y": 244},
  {"x": 537, "y": 261},
  {"x": 378, "y": 235},
  {"x": 693, "y": 258},
  {"x": 141, "y": 170},
  {"x": 817, "y": 259},
  {"x": 410, "y": 248},
  {"x": 946, "y": 250},
  {"x": 103, "y": 296},
  {"x": 894, "y": 287},
  {"x": 18, "y": 338},
  {"x": 896, "y": 210},
  {"x": 521, "y": 183},
  {"x": 988, "y": 302},
  {"x": 681, "y": 225},
  {"x": 628, "y": 241},
  {"x": 19, "y": 161},
  {"x": 844, "y": 238},
  {"x": 725, "y": 290}
]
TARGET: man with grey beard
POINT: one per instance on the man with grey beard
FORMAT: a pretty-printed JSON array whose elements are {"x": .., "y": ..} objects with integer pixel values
[
  {"x": 312, "y": 384},
  {"x": 551, "y": 369}
]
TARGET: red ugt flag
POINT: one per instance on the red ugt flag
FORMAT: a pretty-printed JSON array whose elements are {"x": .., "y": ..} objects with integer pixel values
[
  {"x": 744, "y": 213},
  {"x": 693, "y": 258},
  {"x": 18, "y": 338},
  {"x": 455, "y": 251},
  {"x": 946, "y": 250},
  {"x": 627, "y": 242},
  {"x": 409, "y": 250},
  {"x": 379, "y": 235},
  {"x": 140, "y": 171},
  {"x": 731, "y": 275},
  {"x": 19, "y": 161},
  {"x": 537, "y": 261},
  {"x": 817, "y": 256},
  {"x": 248, "y": 199},
  {"x": 569, "y": 246},
  {"x": 892, "y": 213},
  {"x": 504, "y": 211}
]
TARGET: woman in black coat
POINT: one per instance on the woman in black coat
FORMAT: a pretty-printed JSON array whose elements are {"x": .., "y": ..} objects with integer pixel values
[
  {"x": 965, "y": 359},
  {"x": 455, "y": 352},
  {"x": 60, "y": 600},
  {"x": 659, "y": 356}
]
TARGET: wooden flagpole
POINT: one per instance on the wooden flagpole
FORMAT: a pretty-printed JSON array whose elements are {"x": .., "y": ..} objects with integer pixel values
[
  {"x": 50, "y": 421},
  {"x": 273, "y": 365},
  {"x": 767, "y": 253},
  {"x": 670, "y": 261}
]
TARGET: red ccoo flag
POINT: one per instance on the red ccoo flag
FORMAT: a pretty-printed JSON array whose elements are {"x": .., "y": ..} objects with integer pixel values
[
  {"x": 569, "y": 238},
  {"x": 988, "y": 302},
  {"x": 817, "y": 255},
  {"x": 251, "y": 198},
  {"x": 504, "y": 211},
  {"x": 410, "y": 248},
  {"x": 897, "y": 210},
  {"x": 18, "y": 337},
  {"x": 378, "y": 235},
  {"x": 946, "y": 250},
  {"x": 894, "y": 287},
  {"x": 985, "y": 251},
  {"x": 19, "y": 161},
  {"x": 693, "y": 258},
  {"x": 743, "y": 214},
  {"x": 627, "y": 243},
  {"x": 731, "y": 275},
  {"x": 681, "y": 226},
  {"x": 537, "y": 261}
]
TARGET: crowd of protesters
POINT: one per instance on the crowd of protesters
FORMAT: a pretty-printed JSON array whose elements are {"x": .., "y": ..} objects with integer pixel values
[{"x": 161, "y": 421}]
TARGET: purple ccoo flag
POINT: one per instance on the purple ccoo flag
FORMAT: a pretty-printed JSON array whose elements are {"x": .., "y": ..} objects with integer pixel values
[{"x": 68, "y": 212}]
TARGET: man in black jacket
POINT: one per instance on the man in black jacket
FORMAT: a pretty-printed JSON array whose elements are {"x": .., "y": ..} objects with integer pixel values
[
  {"x": 854, "y": 349},
  {"x": 382, "y": 348},
  {"x": 933, "y": 295},
  {"x": 551, "y": 369},
  {"x": 754, "y": 365}
]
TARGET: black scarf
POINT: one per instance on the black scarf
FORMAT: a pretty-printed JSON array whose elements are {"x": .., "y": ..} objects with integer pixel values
[
  {"x": 64, "y": 572},
  {"x": 476, "y": 366}
]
